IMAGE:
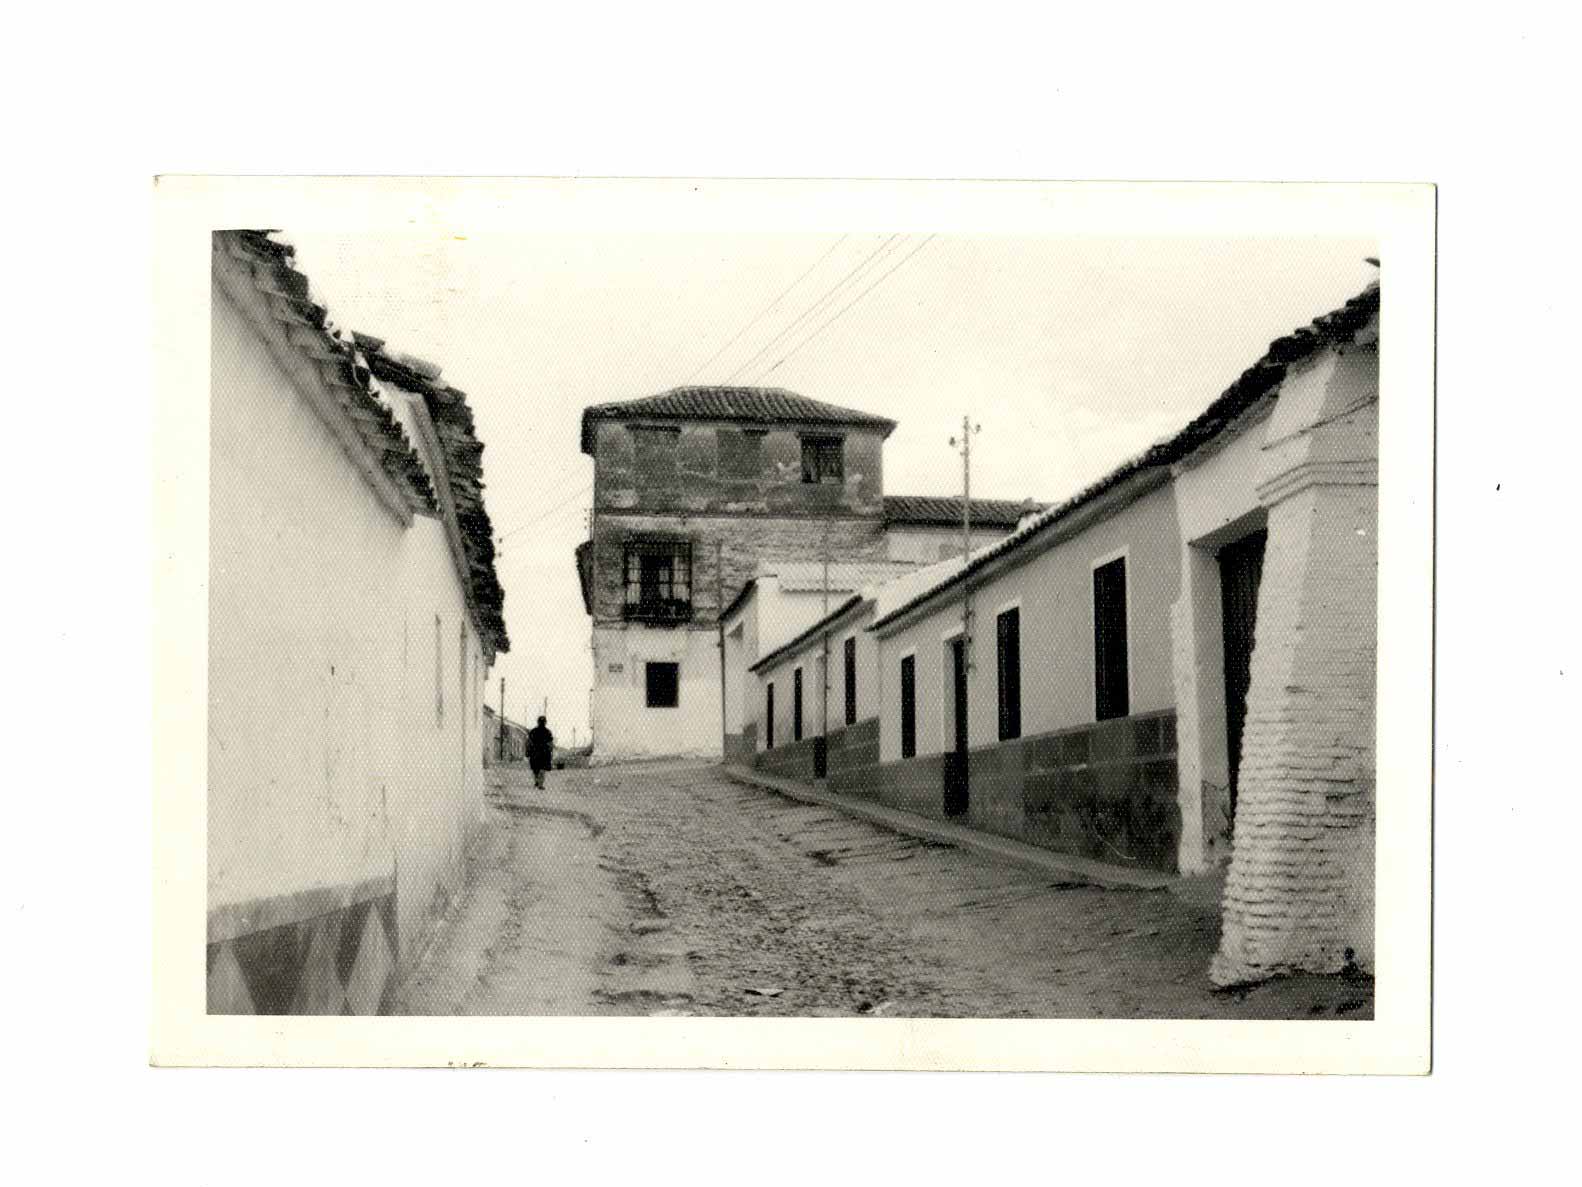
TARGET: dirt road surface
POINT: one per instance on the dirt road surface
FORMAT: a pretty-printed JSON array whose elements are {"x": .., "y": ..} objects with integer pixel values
[{"x": 666, "y": 889}]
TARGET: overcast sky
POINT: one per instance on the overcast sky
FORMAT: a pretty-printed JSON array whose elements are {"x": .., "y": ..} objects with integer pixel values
[{"x": 1072, "y": 353}]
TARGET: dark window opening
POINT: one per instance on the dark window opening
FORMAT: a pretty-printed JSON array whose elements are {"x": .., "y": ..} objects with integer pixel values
[
  {"x": 658, "y": 580},
  {"x": 1008, "y": 632},
  {"x": 664, "y": 685},
  {"x": 769, "y": 716},
  {"x": 1112, "y": 694},
  {"x": 796, "y": 705},
  {"x": 909, "y": 707},
  {"x": 823, "y": 459},
  {"x": 851, "y": 680}
]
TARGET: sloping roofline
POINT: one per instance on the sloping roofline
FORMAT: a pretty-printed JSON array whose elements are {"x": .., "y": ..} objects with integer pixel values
[
  {"x": 856, "y": 601},
  {"x": 355, "y": 365},
  {"x": 1253, "y": 384},
  {"x": 747, "y": 405}
]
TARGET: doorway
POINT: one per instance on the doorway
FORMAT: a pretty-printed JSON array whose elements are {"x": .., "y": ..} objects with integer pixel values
[
  {"x": 957, "y": 782},
  {"x": 1240, "y": 574}
]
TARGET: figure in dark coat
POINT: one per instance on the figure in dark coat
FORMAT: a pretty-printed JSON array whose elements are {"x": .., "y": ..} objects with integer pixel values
[{"x": 540, "y": 751}]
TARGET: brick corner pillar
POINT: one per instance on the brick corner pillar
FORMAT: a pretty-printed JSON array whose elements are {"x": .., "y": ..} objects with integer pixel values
[{"x": 1299, "y": 895}]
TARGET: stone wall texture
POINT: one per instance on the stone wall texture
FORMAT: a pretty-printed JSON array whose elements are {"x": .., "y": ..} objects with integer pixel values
[
  {"x": 725, "y": 551},
  {"x": 1299, "y": 895},
  {"x": 1106, "y": 791},
  {"x": 699, "y": 468}
]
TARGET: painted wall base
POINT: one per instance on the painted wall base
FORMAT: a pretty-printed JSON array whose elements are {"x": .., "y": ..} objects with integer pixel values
[{"x": 340, "y": 962}]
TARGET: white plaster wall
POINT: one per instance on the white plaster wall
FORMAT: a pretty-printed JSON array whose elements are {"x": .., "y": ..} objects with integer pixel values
[
  {"x": 783, "y": 615},
  {"x": 816, "y": 691},
  {"x": 624, "y": 727},
  {"x": 736, "y": 677},
  {"x": 1055, "y": 593},
  {"x": 926, "y": 545},
  {"x": 327, "y": 762}
]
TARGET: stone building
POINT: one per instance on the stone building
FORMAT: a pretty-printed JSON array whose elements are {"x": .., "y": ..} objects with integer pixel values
[
  {"x": 1173, "y": 670},
  {"x": 353, "y": 613},
  {"x": 693, "y": 489}
]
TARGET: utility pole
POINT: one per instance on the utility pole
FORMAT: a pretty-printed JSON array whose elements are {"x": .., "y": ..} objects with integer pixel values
[
  {"x": 824, "y": 674},
  {"x": 968, "y": 431},
  {"x": 502, "y": 718}
]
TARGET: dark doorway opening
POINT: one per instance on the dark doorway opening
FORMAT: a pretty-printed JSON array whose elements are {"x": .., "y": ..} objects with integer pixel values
[
  {"x": 957, "y": 775},
  {"x": 1240, "y": 573}
]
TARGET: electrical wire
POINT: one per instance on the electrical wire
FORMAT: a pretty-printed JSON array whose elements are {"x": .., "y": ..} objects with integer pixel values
[
  {"x": 537, "y": 519},
  {"x": 767, "y": 309},
  {"x": 830, "y": 295},
  {"x": 842, "y": 310}
]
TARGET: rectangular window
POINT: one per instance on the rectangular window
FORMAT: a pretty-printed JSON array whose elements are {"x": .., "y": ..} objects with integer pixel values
[
  {"x": 823, "y": 459},
  {"x": 664, "y": 685},
  {"x": 1008, "y": 635},
  {"x": 909, "y": 706},
  {"x": 851, "y": 680},
  {"x": 1112, "y": 696},
  {"x": 796, "y": 705},
  {"x": 769, "y": 716},
  {"x": 658, "y": 580}
]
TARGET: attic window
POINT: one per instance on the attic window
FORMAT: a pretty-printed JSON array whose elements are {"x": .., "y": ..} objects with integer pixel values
[{"x": 823, "y": 459}]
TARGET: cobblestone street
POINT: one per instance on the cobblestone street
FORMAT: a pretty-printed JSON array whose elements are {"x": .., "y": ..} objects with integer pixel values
[{"x": 667, "y": 889}]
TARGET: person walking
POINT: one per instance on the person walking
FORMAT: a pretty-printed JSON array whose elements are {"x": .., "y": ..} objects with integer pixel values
[{"x": 540, "y": 751}]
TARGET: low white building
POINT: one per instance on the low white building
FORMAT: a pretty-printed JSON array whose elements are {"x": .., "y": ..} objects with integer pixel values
[
  {"x": 780, "y": 600},
  {"x": 353, "y": 613},
  {"x": 1172, "y": 670}
]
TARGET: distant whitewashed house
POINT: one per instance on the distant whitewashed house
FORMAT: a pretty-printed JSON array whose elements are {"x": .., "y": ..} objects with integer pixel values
[
  {"x": 353, "y": 613},
  {"x": 1171, "y": 670},
  {"x": 811, "y": 698},
  {"x": 781, "y": 599}
]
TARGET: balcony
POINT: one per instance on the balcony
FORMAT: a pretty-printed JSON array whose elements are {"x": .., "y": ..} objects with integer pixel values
[{"x": 658, "y": 611}]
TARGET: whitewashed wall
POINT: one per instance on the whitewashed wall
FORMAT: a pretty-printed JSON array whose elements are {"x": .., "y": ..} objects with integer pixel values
[
  {"x": 342, "y": 747},
  {"x": 1055, "y": 593}
]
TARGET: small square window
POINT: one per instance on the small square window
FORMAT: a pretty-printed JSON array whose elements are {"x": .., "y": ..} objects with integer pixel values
[
  {"x": 664, "y": 685},
  {"x": 823, "y": 459}
]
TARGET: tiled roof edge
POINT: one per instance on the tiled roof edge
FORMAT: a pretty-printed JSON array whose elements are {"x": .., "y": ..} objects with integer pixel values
[
  {"x": 644, "y": 406},
  {"x": 902, "y": 509},
  {"x": 812, "y": 632},
  {"x": 454, "y": 425},
  {"x": 337, "y": 360},
  {"x": 1335, "y": 328}
]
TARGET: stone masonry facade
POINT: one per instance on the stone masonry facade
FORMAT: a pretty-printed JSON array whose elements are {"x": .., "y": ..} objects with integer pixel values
[{"x": 725, "y": 552}]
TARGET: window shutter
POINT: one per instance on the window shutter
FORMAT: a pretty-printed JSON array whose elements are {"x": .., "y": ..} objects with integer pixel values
[
  {"x": 1112, "y": 696},
  {"x": 1009, "y": 630}
]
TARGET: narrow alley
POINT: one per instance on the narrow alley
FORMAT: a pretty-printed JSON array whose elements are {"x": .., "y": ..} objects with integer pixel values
[{"x": 666, "y": 889}]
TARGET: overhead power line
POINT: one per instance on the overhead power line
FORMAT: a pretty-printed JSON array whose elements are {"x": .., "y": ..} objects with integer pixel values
[
  {"x": 836, "y": 316},
  {"x": 767, "y": 309},
  {"x": 830, "y": 295},
  {"x": 537, "y": 519}
]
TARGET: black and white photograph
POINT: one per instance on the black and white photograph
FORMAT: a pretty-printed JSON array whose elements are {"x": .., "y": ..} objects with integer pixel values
[{"x": 865, "y": 624}]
